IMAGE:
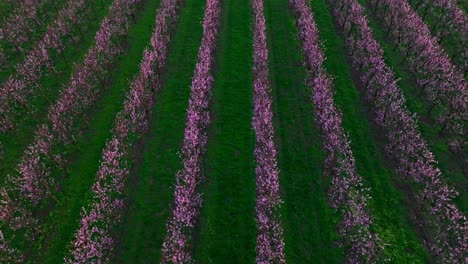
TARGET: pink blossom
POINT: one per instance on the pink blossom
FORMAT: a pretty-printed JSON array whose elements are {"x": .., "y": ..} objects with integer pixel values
[
  {"x": 347, "y": 194},
  {"x": 19, "y": 87},
  {"x": 34, "y": 182},
  {"x": 405, "y": 145},
  {"x": 93, "y": 242},
  {"x": 187, "y": 201},
  {"x": 436, "y": 75},
  {"x": 270, "y": 242}
]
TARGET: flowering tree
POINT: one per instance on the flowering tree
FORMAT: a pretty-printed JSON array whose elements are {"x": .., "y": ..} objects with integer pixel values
[
  {"x": 20, "y": 24},
  {"x": 93, "y": 242},
  {"x": 448, "y": 21},
  {"x": 348, "y": 195},
  {"x": 16, "y": 92},
  {"x": 34, "y": 183},
  {"x": 187, "y": 201},
  {"x": 404, "y": 144},
  {"x": 270, "y": 242},
  {"x": 436, "y": 75}
]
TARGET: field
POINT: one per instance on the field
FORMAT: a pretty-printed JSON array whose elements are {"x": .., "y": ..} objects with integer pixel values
[{"x": 233, "y": 131}]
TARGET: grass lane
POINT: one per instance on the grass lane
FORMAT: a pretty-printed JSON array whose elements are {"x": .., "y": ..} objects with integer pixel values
[
  {"x": 5, "y": 9},
  {"x": 387, "y": 206},
  {"x": 227, "y": 229},
  {"x": 307, "y": 219},
  {"x": 463, "y": 5},
  {"x": 151, "y": 186},
  {"x": 453, "y": 165},
  {"x": 63, "y": 221},
  {"x": 15, "y": 144}
]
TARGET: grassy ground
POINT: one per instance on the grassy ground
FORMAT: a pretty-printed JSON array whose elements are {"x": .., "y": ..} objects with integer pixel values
[
  {"x": 15, "y": 144},
  {"x": 307, "y": 219},
  {"x": 387, "y": 207},
  {"x": 151, "y": 187},
  {"x": 451, "y": 164},
  {"x": 463, "y": 5},
  {"x": 63, "y": 220},
  {"x": 227, "y": 230},
  {"x": 5, "y": 9}
]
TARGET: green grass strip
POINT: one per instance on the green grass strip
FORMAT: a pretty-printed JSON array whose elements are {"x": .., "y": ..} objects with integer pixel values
[
  {"x": 463, "y": 5},
  {"x": 5, "y": 9},
  {"x": 63, "y": 221},
  {"x": 227, "y": 229},
  {"x": 308, "y": 221},
  {"x": 151, "y": 188}
]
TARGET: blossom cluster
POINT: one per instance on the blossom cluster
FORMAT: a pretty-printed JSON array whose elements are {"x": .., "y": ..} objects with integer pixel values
[
  {"x": 449, "y": 20},
  {"x": 187, "y": 201},
  {"x": 33, "y": 183},
  {"x": 18, "y": 26},
  {"x": 405, "y": 145},
  {"x": 93, "y": 242},
  {"x": 348, "y": 195},
  {"x": 270, "y": 241},
  {"x": 442, "y": 82},
  {"x": 16, "y": 92}
]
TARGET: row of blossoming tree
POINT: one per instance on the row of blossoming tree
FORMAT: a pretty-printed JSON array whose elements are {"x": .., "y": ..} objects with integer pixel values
[
  {"x": 17, "y": 90},
  {"x": 449, "y": 26},
  {"x": 412, "y": 158},
  {"x": 187, "y": 200},
  {"x": 435, "y": 74},
  {"x": 93, "y": 242},
  {"x": 270, "y": 241},
  {"x": 36, "y": 179},
  {"x": 17, "y": 28},
  {"x": 348, "y": 195}
]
